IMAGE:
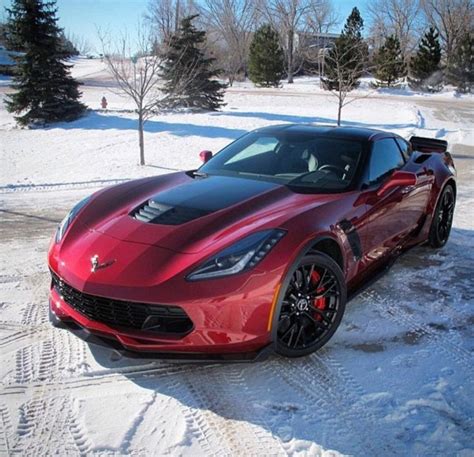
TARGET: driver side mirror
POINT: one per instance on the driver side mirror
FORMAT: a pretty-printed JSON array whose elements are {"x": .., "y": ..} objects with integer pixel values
[
  {"x": 205, "y": 156},
  {"x": 397, "y": 179}
]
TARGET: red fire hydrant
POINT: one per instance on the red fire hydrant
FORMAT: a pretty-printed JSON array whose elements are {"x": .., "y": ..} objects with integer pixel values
[{"x": 103, "y": 103}]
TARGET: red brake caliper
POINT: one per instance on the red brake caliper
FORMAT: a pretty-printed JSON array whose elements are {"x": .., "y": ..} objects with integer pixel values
[{"x": 319, "y": 303}]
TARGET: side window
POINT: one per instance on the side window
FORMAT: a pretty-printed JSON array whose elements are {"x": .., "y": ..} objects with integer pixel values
[
  {"x": 405, "y": 147},
  {"x": 385, "y": 158}
]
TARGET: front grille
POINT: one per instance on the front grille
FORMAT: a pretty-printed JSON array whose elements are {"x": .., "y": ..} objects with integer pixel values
[
  {"x": 162, "y": 319},
  {"x": 159, "y": 213}
]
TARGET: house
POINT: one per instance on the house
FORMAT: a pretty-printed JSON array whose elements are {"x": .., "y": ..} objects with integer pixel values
[
  {"x": 318, "y": 40},
  {"x": 316, "y": 46}
]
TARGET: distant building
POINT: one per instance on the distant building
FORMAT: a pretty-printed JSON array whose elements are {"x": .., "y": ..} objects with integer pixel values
[
  {"x": 317, "y": 45},
  {"x": 318, "y": 40}
]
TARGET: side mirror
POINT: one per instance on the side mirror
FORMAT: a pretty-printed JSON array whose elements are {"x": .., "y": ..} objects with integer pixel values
[
  {"x": 397, "y": 179},
  {"x": 205, "y": 156}
]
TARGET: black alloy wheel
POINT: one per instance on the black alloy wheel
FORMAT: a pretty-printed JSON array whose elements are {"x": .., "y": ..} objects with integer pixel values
[
  {"x": 442, "y": 218},
  {"x": 312, "y": 307}
]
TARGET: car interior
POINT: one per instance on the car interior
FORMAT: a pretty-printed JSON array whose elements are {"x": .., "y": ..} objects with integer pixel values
[{"x": 323, "y": 162}]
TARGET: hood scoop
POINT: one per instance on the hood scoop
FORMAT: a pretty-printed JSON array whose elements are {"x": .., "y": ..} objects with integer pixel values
[
  {"x": 197, "y": 198},
  {"x": 159, "y": 213}
]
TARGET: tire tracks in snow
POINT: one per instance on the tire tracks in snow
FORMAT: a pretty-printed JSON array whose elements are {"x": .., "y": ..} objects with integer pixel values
[
  {"x": 50, "y": 423},
  {"x": 48, "y": 418},
  {"x": 33, "y": 323},
  {"x": 221, "y": 405},
  {"x": 98, "y": 379},
  {"x": 6, "y": 430},
  {"x": 441, "y": 341},
  {"x": 336, "y": 396}
]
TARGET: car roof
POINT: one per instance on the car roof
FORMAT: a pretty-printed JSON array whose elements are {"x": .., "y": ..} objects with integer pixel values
[{"x": 328, "y": 131}]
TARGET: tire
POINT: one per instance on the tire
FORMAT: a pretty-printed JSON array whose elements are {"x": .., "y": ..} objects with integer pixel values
[
  {"x": 312, "y": 306},
  {"x": 442, "y": 218}
]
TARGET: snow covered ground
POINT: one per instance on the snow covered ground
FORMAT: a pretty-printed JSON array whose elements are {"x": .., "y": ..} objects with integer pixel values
[{"x": 395, "y": 380}]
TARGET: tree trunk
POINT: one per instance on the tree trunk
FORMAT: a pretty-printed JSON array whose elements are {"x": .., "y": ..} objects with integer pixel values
[
  {"x": 141, "y": 140},
  {"x": 339, "y": 110},
  {"x": 290, "y": 56}
]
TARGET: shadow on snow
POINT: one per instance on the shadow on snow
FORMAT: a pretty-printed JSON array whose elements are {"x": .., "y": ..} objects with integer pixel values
[{"x": 96, "y": 121}]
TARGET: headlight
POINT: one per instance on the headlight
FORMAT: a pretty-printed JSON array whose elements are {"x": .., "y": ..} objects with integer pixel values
[
  {"x": 242, "y": 255},
  {"x": 66, "y": 222}
]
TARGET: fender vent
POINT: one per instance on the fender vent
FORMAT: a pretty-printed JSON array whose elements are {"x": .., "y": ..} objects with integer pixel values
[
  {"x": 158, "y": 213},
  {"x": 352, "y": 237}
]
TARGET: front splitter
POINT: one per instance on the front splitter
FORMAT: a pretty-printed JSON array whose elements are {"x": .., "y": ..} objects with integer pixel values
[{"x": 183, "y": 357}]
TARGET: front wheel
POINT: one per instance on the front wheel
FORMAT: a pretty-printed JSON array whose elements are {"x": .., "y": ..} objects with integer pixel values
[
  {"x": 442, "y": 218},
  {"x": 312, "y": 308}
]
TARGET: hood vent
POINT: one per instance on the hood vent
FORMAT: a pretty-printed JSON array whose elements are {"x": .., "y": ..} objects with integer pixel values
[{"x": 158, "y": 213}]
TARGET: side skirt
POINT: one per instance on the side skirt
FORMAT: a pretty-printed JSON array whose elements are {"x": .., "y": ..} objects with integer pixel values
[{"x": 380, "y": 272}]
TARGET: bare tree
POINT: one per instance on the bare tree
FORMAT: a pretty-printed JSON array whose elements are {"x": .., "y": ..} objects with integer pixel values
[
  {"x": 347, "y": 63},
  {"x": 232, "y": 22},
  {"x": 82, "y": 45},
  {"x": 288, "y": 17},
  {"x": 321, "y": 17},
  {"x": 164, "y": 17},
  {"x": 395, "y": 17},
  {"x": 136, "y": 70},
  {"x": 452, "y": 20}
]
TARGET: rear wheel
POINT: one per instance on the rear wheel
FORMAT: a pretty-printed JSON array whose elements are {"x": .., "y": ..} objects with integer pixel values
[
  {"x": 312, "y": 307},
  {"x": 442, "y": 218}
]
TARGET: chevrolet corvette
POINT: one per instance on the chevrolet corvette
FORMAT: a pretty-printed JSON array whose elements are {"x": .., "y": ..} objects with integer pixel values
[{"x": 256, "y": 251}]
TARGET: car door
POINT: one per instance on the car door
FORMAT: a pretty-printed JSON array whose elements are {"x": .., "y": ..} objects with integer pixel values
[
  {"x": 415, "y": 198},
  {"x": 387, "y": 220}
]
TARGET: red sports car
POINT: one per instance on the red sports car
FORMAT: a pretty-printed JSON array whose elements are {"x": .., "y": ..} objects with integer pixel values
[{"x": 257, "y": 249}]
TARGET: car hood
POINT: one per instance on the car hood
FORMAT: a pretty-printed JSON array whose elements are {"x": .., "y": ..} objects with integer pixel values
[{"x": 193, "y": 212}]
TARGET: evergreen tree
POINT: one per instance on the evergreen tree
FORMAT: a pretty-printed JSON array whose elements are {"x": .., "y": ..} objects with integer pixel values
[
  {"x": 389, "y": 62},
  {"x": 346, "y": 60},
  {"x": 45, "y": 90},
  {"x": 461, "y": 69},
  {"x": 68, "y": 45},
  {"x": 189, "y": 74},
  {"x": 425, "y": 69},
  {"x": 266, "y": 58}
]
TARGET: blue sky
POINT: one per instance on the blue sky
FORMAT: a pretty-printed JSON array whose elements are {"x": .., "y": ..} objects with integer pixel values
[{"x": 82, "y": 17}]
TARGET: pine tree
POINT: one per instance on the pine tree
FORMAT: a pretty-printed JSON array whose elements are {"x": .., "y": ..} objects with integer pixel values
[
  {"x": 461, "y": 69},
  {"x": 346, "y": 60},
  {"x": 425, "y": 69},
  {"x": 45, "y": 90},
  {"x": 266, "y": 58},
  {"x": 389, "y": 62},
  {"x": 189, "y": 74}
]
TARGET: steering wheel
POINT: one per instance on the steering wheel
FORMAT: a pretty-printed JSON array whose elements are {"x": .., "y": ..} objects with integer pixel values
[{"x": 333, "y": 169}]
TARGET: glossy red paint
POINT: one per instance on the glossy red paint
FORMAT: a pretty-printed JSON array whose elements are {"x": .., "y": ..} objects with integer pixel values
[
  {"x": 398, "y": 179},
  {"x": 149, "y": 263},
  {"x": 205, "y": 156}
]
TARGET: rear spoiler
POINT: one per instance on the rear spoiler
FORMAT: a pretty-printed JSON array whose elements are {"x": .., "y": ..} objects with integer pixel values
[{"x": 419, "y": 143}]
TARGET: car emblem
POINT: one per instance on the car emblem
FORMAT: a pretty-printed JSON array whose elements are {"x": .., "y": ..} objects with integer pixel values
[
  {"x": 96, "y": 265},
  {"x": 302, "y": 304}
]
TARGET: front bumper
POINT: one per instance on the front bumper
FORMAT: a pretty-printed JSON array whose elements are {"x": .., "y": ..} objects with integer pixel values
[
  {"x": 237, "y": 331},
  {"x": 189, "y": 357}
]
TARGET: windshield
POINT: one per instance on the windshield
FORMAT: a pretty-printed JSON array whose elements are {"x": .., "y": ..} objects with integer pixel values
[{"x": 295, "y": 159}]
